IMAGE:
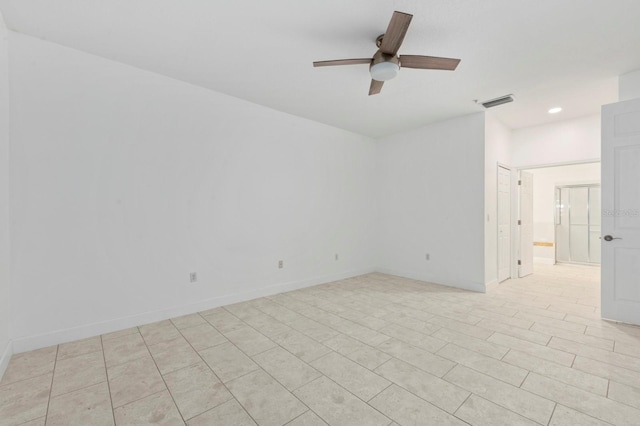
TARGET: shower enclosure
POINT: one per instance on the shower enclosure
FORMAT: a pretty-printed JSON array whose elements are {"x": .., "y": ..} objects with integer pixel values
[{"x": 577, "y": 219}]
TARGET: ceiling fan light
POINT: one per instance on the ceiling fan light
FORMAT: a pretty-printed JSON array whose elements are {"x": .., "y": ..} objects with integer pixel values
[{"x": 383, "y": 71}]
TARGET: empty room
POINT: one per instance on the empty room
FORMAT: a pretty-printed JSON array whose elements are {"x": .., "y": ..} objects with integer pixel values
[{"x": 319, "y": 213}]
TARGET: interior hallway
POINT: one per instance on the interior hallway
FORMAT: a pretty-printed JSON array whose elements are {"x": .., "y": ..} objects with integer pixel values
[{"x": 369, "y": 350}]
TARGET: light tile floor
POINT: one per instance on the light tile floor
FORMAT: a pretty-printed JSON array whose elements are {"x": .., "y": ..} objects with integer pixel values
[{"x": 370, "y": 350}]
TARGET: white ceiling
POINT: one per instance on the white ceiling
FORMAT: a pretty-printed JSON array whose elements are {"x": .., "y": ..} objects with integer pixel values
[{"x": 546, "y": 52}]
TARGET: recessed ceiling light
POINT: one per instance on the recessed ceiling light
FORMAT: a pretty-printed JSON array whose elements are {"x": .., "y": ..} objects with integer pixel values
[{"x": 555, "y": 110}]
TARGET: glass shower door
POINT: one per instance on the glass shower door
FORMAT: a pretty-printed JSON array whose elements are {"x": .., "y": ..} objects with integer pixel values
[{"x": 578, "y": 224}]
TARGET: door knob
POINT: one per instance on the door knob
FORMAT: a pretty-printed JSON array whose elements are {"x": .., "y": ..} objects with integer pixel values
[{"x": 610, "y": 238}]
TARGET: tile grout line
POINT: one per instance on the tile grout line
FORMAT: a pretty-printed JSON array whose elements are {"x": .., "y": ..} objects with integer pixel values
[
  {"x": 356, "y": 396},
  {"x": 552, "y": 413},
  {"x": 428, "y": 402},
  {"x": 488, "y": 375},
  {"x": 327, "y": 325},
  {"x": 509, "y": 409},
  {"x": 135, "y": 400},
  {"x": 460, "y": 406},
  {"x": 139, "y": 399},
  {"x": 273, "y": 378},
  {"x": 53, "y": 374},
  {"x": 23, "y": 380},
  {"x": 384, "y": 389},
  {"x": 106, "y": 375},
  {"x": 154, "y": 393},
  {"x": 311, "y": 409},
  {"x": 124, "y": 362},
  {"x": 166, "y": 387},
  {"x": 579, "y": 410},
  {"x": 80, "y": 388},
  {"x": 214, "y": 373},
  {"x": 297, "y": 417},
  {"x": 505, "y": 354}
]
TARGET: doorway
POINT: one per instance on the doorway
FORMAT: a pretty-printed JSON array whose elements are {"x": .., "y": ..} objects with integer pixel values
[
  {"x": 547, "y": 199},
  {"x": 562, "y": 234}
]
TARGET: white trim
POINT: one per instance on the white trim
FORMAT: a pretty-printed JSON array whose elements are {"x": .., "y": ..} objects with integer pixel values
[
  {"x": 515, "y": 228},
  {"x": 493, "y": 284},
  {"x": 497, "y": 228},
  {"x": 420, "y": 276},
  {"x": 29, "y": 343},
  {"x": 578, "y": 183},
  {"x": 516, "y": 237},
  {"x": 564, "y": 163},
  {"x": 5, "y": 358}
]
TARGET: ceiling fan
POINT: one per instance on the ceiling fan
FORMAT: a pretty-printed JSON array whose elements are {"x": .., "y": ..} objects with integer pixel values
[{"x": 386, "y": 63}]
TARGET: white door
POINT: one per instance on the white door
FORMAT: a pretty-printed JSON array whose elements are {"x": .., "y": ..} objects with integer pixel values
[
  {"x": 621, "y": 211},
  {"x": 504, "y": 224},
  {"x": 525, "y": 260}
]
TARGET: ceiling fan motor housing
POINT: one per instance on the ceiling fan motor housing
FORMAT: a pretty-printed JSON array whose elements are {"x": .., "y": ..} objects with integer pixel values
[{"x": 384, "y": 67}]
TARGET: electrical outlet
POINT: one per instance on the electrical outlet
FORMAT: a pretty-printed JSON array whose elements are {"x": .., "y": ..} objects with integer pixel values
[
  {"x": 193, "y": 277},
  {"x": 427, "y": 256},
  {"x": 336, "y": 256},
  {"x": 280, "y": 264}
]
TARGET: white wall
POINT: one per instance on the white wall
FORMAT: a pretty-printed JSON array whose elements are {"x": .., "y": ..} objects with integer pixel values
[
  {"x": 5, "y": 295},
  {"x": 125, "y": 181},
  {"x": 629, "y": 86},
  {"x": 544, "y": 182},
  {"x": 431, "y": 200},
  {"x": 566, "y": 141},
  {"x": 497, "y": 151}
]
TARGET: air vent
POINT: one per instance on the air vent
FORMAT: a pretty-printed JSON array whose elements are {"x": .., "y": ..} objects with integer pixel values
[{"x": 497, "y": 101}]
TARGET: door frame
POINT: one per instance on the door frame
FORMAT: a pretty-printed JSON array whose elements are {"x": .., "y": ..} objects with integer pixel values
[
  {"x": 515, "y": 205},
  {"x": 510, "y": 169}
]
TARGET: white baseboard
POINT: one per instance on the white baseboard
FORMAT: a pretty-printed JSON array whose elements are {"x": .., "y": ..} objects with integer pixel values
[
  {"x": 5, "y": 358},
  {"x": 491, "y": 285},
  {"x": 471, "y": 286},
  {"x": 57, "y": 337},
  {"x": 544, "y": 260}
]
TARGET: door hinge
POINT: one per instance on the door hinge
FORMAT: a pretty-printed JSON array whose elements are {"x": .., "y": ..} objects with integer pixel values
[
  {"x": 519, "y": 182},
  {"x": 519, "y": 262},
  {"x": 519, "y": 222}
]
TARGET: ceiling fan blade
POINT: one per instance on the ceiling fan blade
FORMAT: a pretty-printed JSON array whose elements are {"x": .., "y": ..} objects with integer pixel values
[
  {"x": 376, "y": 87},
  {"x": 396, "y": 31},
  {"x": 342, "y": 62},
  {"x": 428, "y": 62}
]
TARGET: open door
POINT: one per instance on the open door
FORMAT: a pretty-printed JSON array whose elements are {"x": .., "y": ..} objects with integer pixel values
[
  {"x": 525, "y": 258},
  {"x": 504, "y": 223},
  {"x": 621, "y": 211}
]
